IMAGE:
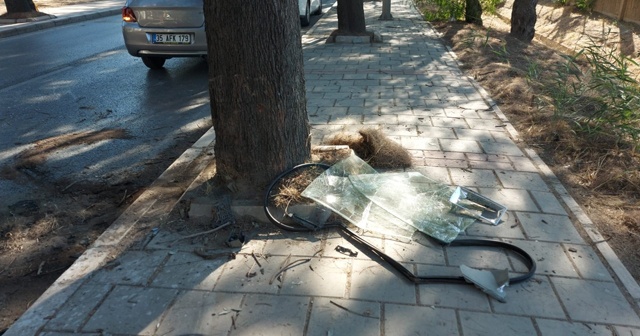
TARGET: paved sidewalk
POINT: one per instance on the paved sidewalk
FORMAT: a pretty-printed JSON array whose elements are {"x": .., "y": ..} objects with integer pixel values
[
  {"x": 410, "y": 86},
  {"x": 62, "y": 15}
]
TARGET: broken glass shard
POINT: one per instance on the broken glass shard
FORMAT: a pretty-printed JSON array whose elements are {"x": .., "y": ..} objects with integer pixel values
[{"x": 395, "y": 204}]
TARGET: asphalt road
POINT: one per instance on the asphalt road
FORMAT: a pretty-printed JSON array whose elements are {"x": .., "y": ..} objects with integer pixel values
[
  {"x": 79, "y": 79},
  {"x": 90, "y": 111}
]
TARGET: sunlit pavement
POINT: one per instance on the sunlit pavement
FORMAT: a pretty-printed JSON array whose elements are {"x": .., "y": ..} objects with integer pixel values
[{"x": 409, "y": 85}]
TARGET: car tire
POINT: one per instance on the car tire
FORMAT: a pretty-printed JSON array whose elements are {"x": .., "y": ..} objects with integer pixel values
[
  {"x": 153, "y": 63},
  {"x": 319, "y": 10},
  {"x": 305, "y": 19}
]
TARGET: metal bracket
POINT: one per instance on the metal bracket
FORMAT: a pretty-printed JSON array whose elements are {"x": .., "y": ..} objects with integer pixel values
[{"x": 467, "y": 202}]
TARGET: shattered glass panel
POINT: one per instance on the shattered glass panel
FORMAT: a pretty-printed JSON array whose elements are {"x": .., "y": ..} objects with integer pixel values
[
  {"x": 416, "y": 200},
  {"x": 334, "y": 190},
  {"x": 390, "y": 203}
]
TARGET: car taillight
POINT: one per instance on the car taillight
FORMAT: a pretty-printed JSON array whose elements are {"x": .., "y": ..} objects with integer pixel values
[{"x": 128, "y": 15}]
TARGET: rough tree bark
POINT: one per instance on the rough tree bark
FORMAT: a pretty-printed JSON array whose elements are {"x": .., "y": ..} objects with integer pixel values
[
  {"x": 257, "y": 89},
  {"x": 351, "y": 18},
  {"x": 473, "y": 12},
  {"x": 20, "y": 6},
  {"x": 523, "y": 19},
  {"x": 386, "y": 10}
]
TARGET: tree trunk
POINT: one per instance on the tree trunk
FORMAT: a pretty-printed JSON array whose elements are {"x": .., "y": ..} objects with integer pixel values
[
  {"x": 473, "y": 12},
  {"x": 523, "y": 19},
  {"x": 351, "y": 18},
  {"x": 20, "y": 6},
  {"x": 386, "y": 10},
  {"x": 257, "y": 89}
]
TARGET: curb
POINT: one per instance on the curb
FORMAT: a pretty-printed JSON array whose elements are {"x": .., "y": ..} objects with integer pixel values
[
  {"x": 113, "y": 241},
  {"x": 32, "y": 26}
]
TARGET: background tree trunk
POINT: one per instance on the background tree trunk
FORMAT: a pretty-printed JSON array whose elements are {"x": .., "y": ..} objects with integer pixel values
[
  {"x": 20, "y": 6},
  {"x": 257, "y": 89},
  {"x": 386, "y": 10},
  {"x": 351, "y": 18},
  {"x": 523, "y": 19},
  {"x": 473, "y": 12}
]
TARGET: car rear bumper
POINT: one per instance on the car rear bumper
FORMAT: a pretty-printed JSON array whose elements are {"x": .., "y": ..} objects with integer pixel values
[{"x": 139, "y": 43}]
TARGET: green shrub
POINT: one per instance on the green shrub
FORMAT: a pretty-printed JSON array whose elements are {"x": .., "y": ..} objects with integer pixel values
[
  {"x": 444, "y": 10},
  {"x": 600, "y": 97},
  {"x": 491, "y": 6},
  {"x": 584, "y": 4}
]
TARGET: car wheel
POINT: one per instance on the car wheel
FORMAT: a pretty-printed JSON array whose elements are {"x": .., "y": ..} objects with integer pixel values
[
  {"x": 319, "y": 10},
  {"x": 305, "y": 19},
  {"x": 154, "y": 63}
]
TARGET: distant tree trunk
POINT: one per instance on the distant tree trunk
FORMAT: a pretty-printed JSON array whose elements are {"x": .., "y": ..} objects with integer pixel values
[
  {"x": 386, "y": 10},
  {"x": 351, "y": 18},
  {"x": 473, "y": 12},
  {"x": 523, "y": 19},
  {"x": 257, "y": 89},
  {"x": 20, "y": 6}
]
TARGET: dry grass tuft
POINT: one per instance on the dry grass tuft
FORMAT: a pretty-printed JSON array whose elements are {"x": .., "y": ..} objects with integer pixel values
[{"x": 374, "y": 147}]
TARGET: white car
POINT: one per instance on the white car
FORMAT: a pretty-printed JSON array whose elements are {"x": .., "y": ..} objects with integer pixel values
[
  {"x": 157, "y": 30},
  {"x": 308, "y": 8}
]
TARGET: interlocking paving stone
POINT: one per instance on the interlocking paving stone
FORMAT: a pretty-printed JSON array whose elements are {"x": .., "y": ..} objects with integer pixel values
[
  {"x": 463, "y": 296},
  {"x": 435, "y": 132},
  {"x": 131, "y": 268},
  {"x": 411, "y": 320},
  {"x": 595, "y": 301},
  {"x": 381, "y": 119},
  {"x": 513, "y": 199},
  {"x": 421, "y": 121},
  {"x": 523, "y": 164},
  {"x": 627, "y": 331},
  {"x": 449, "y": 163},
  {"x": 587, "y": 262},
  {"x": 548, "y": 202},
  {"x": 285, "y": 244},
  {"x": 545, "y": 227},
  {"x": 131, "y": 310},
  {"x": 474, "y": 178},
  {"x": 77, "y": 309},
  {"x": 550, "y": 258},
  {"x": 534, "y": 297},
  {"x": 500, "y": 148},
  {"x": 471, "y": 134},
  {"x": 477, "y": 257},
  {"x": 238, "y": 274},
  {"x": 57, "y": 333},
  {"x": 413, "y": 142},
  {"x": 460, "y": 113},
  {"x": 449, "y": 122},
  {"x": 440, "y": 174},
  {"x": 565, "y": 328},
  {"x": 363, "y": 318},
  {"x": 319, "y": 277},
  {"x": 189, "y": 271},
  {"x": 492, "y": 165},
  {"x": 271, "y": 315},
  {"x": 483, "y": 324},
  {"x": 370, "y": 280},
  {"x": 465, "y": 146},
  {"x": 484, "y": 124},
  {"x": 420, "y": 250},
  {"x": 200, "y": 313},
  {"x": 522, "y": 180}
]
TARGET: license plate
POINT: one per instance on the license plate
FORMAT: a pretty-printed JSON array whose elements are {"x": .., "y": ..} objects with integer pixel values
[{"x": 172, "y": 38}]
